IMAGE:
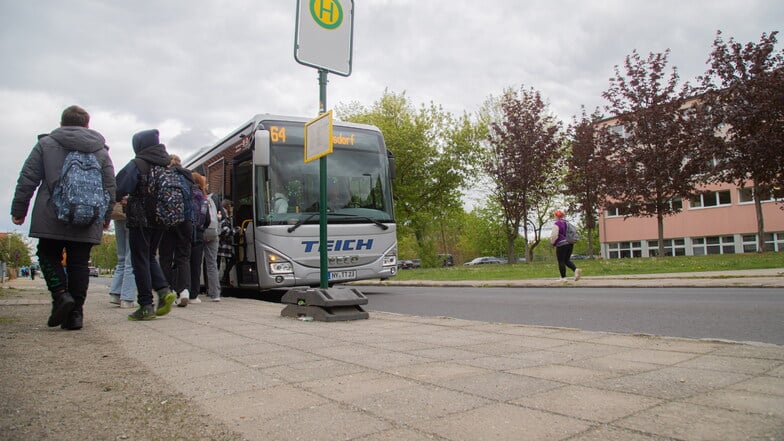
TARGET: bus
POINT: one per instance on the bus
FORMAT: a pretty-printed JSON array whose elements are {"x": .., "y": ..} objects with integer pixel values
[{"x": 260, "y": 168}]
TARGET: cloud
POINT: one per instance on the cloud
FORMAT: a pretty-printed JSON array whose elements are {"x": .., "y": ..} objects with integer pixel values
[{"x": 198, "y": 69}]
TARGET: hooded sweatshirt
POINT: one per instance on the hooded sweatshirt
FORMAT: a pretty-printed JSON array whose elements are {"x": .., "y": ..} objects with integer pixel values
[
  {"x": 44, "y": 166},
  {"x": 148, "y": 149}
]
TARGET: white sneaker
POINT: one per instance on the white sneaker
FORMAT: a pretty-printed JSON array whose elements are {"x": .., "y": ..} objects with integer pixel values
[
  {"x": 196, "y": 300},
  {"x": 577, "y": 274},
  {"x": 215, "y": 299},
  {"x": 114, "y": 299},
  {"x": 563, "y": 280},
  {"x": 127, "y": 304},
  {"x": 182, "y": 300}
]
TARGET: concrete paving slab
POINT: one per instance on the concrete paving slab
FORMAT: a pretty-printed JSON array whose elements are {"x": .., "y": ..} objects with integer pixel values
[
  {"x": 762, "y": 384},
  {"x": 437, "y": 370},
  {"x": 749, "y": 402},
  {"x": 690, "y": 422},
  {"x": 498, "y": 386},
  {"x": 564, "y": 373},
  {"x": 589, "y": 403},
  {"x": 670, "y": 382},
  {"x": 316, "y": 423},
  {"x": 503, "y": 422},
  {"x": 417, "y": 403}
]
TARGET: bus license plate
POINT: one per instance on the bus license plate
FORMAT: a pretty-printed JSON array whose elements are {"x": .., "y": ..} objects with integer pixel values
[{"x": 342, "y": 275}]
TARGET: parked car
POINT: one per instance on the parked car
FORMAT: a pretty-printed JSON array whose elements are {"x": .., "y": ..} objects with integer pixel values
[
  {"x": 579, "y": 257},
  {"x": 485, "y": 260},
  {"x": 405, "y": 264},
  {"x": 416, "y": 263},
  {"x": 94, "y": 272}
]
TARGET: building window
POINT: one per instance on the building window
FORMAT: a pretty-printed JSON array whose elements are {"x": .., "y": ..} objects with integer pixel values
[
  {"x": 711, "y": 199},
  {"x": 672, "y": 247},
  {"x": 620, "y": 250},
  {"x": 749, "y": 243},
  {"x": 617, "y": 210},
  {"x": 773, "y": 242},
  {"x": 713, "y": 245},
  {"x": 746, "y": 195}
]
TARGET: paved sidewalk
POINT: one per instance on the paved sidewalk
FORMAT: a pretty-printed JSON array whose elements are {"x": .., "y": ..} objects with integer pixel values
[{"x": 398, "y": 377}]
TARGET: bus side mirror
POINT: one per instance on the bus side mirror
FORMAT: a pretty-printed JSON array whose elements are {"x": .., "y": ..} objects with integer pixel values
[
  {"x": 261, "y": 152},
  {"x": 391, "y": 160}
]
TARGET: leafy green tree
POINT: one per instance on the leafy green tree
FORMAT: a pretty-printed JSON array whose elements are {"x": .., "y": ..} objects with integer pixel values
[
  {"x": 654, "y": 165},
  {"x": 435, "y": 154},
  {"x": 14, "y": 251},
  {"x": 523, "y": 152},
  {"x": 104, "y": 255},
  {"x": 741, "y": 115}
]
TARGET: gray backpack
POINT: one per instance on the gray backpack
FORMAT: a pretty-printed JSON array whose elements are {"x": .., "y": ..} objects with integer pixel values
[{"x": 572, "y": 235}]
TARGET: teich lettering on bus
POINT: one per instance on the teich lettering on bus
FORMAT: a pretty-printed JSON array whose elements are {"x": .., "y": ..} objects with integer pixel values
[{"x": 339, "y": 245}]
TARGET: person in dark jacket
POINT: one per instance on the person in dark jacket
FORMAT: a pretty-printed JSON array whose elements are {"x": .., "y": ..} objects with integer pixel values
[
  {"x": 175, "y": 248},
  {"x": 144, "y": 234},
  {"x": 44, "y": 165}
]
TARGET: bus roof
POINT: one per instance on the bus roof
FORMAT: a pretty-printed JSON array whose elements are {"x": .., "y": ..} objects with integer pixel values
[{"x": 250, "y": 126}]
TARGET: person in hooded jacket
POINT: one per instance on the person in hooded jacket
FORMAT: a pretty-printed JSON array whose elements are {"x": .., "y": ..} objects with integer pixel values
[
  {"x": 175, "y": 248},
  {"x": 144, "y": 233},
  {"x": 44, "y": 165}
]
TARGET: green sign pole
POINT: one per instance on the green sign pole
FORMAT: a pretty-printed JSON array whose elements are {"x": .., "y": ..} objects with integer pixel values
[{"x": 324, "y": 263}]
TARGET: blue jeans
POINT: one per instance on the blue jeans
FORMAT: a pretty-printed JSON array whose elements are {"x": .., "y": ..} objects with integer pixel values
[{"x": 123, "y": 282}]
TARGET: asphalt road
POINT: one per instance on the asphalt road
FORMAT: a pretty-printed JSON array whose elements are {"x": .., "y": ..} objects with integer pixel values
[{"x": 738, "y": 314}]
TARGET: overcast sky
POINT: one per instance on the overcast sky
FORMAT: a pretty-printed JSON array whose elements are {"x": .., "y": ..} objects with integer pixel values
[{"x": 197, "y": 69}]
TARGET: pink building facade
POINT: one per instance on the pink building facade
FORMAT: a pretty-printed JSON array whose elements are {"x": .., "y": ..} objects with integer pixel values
[{"x": 720, "y": 222}]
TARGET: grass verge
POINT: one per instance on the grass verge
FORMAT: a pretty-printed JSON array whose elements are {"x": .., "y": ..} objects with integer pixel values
[{"x": 600, "y": 267}]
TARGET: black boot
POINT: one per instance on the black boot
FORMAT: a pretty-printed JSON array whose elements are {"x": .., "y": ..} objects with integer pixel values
[
  {"x": 75, "y": 320},
  {"x": 62, "y": 305}
]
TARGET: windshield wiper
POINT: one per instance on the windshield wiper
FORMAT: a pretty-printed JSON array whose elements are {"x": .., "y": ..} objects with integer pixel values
[
  {"x": 311, "y": 216},
  {"x": 300, "y": 222},
  {"x": 375, "y": 221}
]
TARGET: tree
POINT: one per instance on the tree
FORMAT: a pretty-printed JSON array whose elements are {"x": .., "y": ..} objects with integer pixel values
[
  {"x": 654, "y": 166},
  {"x": 522, "y": 159},
  {"x": 586, "y": 168},
  {"x": 14, "y": 251},
  {"x": 434, "y": 152},
  {"x": 742, "y": 117},
  {"x": 104, "y": 255}
]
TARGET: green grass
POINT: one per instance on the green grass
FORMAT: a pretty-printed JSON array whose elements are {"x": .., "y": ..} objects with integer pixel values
[{"x": 600, "y": 267}]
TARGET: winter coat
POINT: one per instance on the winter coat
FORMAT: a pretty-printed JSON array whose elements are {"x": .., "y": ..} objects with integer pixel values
[{"x": 42, "y": 169}]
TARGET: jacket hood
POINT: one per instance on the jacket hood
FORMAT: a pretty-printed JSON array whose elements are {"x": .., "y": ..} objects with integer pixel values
[
  {"x": 144, "y": 139},
  {"x": 78, "y": 138}
]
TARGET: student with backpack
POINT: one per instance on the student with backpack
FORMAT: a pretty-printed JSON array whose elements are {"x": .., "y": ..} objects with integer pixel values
[
  {"x": 200, "y": 224},
  {"x": 74, "y": 175},
  {"x": 175, "y": 249},
  {"x": 211, "y": 238},
  {"x": 563, "y": 237},
  {"x": 151, "y": 204}
]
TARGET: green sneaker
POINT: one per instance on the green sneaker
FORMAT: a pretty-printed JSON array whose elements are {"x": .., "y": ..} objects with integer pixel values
[
  {"x": 165, "y": 303},
  {"x": 145, "y": 312}
]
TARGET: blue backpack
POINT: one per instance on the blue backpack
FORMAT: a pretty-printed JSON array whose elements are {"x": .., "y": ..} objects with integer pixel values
[{"x": 78, "y": 196}]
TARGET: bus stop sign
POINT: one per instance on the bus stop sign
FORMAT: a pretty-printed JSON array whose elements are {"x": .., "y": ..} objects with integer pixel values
[{"x": 324, "y": 35}]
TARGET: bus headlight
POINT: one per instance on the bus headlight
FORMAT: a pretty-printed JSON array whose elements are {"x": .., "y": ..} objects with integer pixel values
[
  {"x": 389, "y": 260},
  {"x": 278, "y": 265}
]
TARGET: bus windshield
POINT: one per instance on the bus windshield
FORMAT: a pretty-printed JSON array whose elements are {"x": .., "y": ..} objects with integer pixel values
[{"x": 357, "y": 181}]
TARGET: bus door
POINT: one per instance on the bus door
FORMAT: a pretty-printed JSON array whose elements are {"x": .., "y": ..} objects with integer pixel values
[{"x": 242, "y": 198}]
